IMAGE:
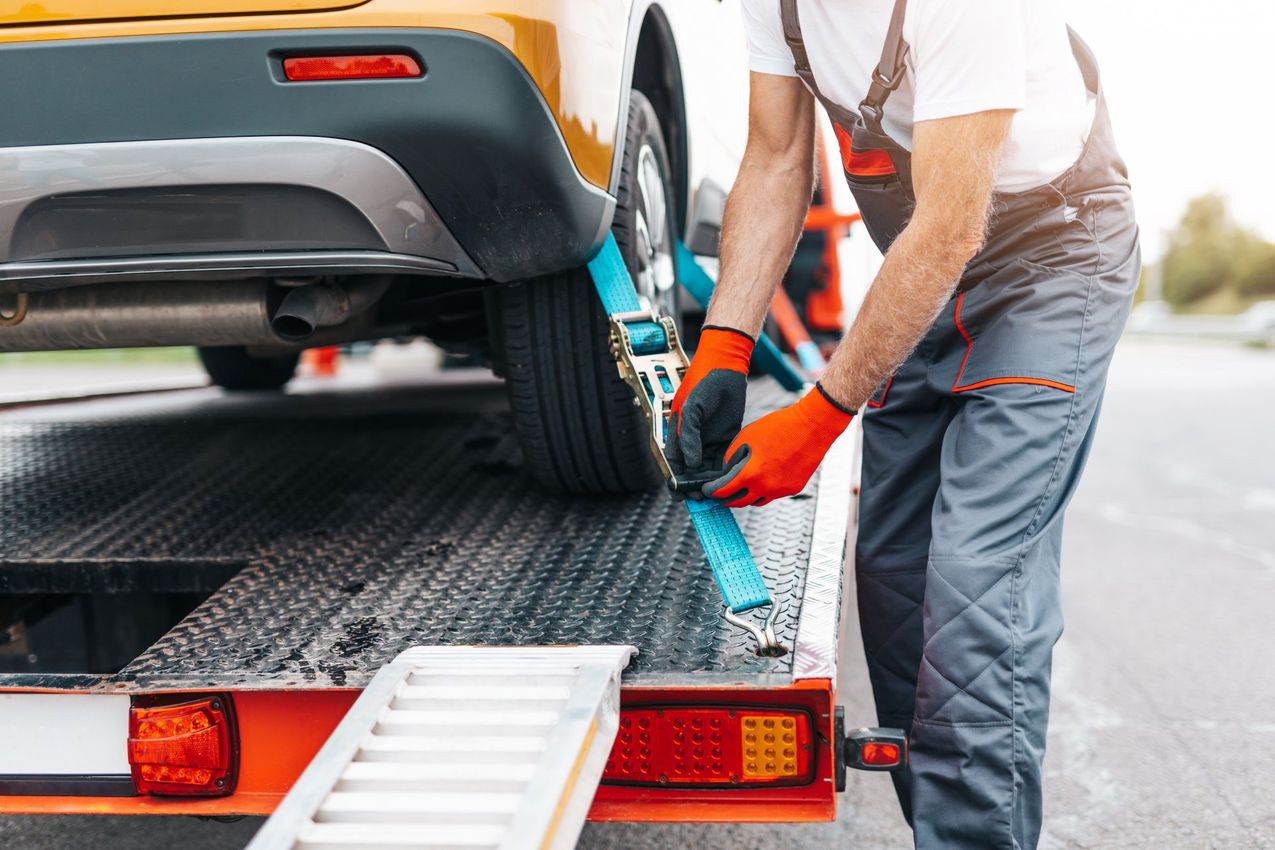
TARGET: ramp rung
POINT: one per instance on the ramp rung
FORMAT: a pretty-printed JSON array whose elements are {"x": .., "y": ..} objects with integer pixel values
[
  {"x": 461, "y": 747},
  {"x": 461, "y": 696},
  {"x": 479, "y": 678},
  {"x": 510, "y": 721},
  {"x": 422, "y": 807},
  {"x": 471, "y": 749},
  {"x": 345, "y": 836},
  {"x": 450, "y": 772}
]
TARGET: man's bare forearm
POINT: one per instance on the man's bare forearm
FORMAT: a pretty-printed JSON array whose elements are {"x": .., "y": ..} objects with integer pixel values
[
  {"x": 955, "y": 167},
  {"x": 914, "y": 283},
  {"x": 760, "y": 229}
]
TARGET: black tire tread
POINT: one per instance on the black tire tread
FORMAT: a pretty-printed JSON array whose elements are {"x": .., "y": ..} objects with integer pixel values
[
  {"x": 579, "y": 428},
  {"x": 233, "y": 368}
]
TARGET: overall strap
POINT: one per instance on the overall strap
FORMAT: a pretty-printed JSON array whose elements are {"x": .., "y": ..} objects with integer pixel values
[
  {"x": 889, "y": 72},
  {"x": 801, "y": 62}
]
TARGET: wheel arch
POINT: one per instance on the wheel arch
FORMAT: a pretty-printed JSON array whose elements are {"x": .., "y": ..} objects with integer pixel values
[{"x": 653, "y": 67}]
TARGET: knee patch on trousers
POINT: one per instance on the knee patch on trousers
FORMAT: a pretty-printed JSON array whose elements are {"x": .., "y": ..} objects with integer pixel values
[
  {"x": 890, "y": 605},
  {"x": 967, "y": 658}
]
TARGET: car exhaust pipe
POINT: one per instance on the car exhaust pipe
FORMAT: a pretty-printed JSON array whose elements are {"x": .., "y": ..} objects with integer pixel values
[
  {"x": 141, "y": 315},
  {"x": 152, "y": 315},
  {"x": 306, "y": 309}
]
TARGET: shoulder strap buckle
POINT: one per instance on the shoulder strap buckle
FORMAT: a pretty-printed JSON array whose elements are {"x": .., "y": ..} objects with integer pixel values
[{"x": 892, "y": 82}]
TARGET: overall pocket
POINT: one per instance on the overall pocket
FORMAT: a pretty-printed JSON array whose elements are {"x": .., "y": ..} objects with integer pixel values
[
  {"x": 886, "y": 208},
  {"x": 1022, "y": 325},
  {"x": 878, "y": 174},
  {"x": 882, "y": 392}
]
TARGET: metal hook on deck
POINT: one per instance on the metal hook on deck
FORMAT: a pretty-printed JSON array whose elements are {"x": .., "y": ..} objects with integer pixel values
[{"x": 767, "y": 643}]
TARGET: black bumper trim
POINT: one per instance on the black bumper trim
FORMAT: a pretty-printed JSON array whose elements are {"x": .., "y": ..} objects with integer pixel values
[{"x": 474, "y": 132}]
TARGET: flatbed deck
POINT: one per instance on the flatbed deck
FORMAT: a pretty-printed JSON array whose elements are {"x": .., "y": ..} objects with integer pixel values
[{"x": 336, "y": 528}]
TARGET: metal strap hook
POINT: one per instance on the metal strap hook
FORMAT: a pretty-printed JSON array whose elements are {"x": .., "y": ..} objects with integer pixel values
[{"x": 767, "y": 643}]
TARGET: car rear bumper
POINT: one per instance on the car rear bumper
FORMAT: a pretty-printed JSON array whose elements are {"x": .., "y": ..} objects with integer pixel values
[
  {"x": 463, "y": 170},
  {"x": 83, "y": 213}
]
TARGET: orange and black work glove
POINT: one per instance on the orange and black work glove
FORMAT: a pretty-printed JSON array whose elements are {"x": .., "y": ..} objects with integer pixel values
[
  {"x": 776, "y": 455},
  {"x": 708, "y": 409}
]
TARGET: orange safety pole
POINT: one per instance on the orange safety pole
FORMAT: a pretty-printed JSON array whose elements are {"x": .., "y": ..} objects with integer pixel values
[
  {"x": 322, "y": 362},
  {"x": 824, "y": 308},
  {"x": 824, "y": 217},
  {"x": 795, "y": 334}
]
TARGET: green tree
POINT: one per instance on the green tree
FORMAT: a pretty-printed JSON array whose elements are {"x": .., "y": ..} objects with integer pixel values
[
  {"x": 1255, "y": 270},
  {"x": 1208, "y": 253}
]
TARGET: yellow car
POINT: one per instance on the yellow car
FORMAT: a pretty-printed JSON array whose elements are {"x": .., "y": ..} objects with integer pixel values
[{"x": 254, "y": 177}]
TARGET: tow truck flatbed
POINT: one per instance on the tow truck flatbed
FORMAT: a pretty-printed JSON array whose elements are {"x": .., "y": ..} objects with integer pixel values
[{"x": 301, "y": 542}]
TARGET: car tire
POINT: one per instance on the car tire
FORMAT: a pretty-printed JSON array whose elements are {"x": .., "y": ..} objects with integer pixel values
[
  {"x": 233, "y": 368},
  {"x": 580, "y": 429}
]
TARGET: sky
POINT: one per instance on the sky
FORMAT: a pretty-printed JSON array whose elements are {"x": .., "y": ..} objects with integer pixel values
[{"x": 1190, "y": 86}]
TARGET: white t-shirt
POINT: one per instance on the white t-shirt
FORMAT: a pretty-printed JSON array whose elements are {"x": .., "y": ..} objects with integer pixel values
[{"x": 965, "y": 56}]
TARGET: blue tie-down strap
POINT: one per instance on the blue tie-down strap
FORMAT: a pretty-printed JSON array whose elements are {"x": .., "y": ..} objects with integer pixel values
[
  {"x": 767, "y": 355},
  {"x": 615, "y": 288},
  {"x": 733, "y": 566},
  {"x": 740, "y": 581},
  {"x": 810, "y": 357}
]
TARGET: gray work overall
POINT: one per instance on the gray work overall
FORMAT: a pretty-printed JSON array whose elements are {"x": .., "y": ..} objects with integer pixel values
[{"x": 971, "y": 452}]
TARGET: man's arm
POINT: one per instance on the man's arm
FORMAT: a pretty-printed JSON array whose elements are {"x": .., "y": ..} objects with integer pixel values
[
  {"x": 954, "y": 164},
  {"x": 768, "y": 204},
  {"x": 763, "y": 220}
]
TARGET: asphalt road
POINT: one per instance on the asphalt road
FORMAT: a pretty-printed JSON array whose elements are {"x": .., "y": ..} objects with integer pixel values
[{"x": 1163, "y": 732}]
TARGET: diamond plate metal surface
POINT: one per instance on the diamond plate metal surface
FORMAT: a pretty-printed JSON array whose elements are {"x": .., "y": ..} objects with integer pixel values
[
  {"x": 365, "y": 529},
  {"x": 815, "y": 656}
]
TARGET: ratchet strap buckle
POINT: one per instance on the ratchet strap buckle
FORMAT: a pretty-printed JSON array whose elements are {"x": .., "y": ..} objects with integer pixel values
[{"x": 654, "y": 377}]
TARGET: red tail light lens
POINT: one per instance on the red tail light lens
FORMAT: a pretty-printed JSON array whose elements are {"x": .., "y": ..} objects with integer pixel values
[
  {"x": 881, "y": 755},
  {"x": 735, "y": 746},
  {"x": 377, "y": 66},
  {"x": 875, "y": 749},
  {"x": 183, "y": 749}
]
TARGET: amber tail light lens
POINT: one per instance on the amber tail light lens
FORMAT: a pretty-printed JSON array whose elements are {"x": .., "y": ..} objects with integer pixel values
[{"x": 719, "y": 746}]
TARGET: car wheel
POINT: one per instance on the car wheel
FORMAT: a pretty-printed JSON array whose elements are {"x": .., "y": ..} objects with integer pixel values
[
  {"x": 233, "y": 368},
  {"x": 579, "y": 427}
]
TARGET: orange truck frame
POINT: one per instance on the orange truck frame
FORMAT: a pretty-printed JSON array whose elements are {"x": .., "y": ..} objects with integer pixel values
[{"x": 221, "y": 714}]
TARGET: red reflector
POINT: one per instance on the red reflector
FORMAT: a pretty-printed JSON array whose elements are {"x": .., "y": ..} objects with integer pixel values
[
  {"x": 874, "y": 163},
  {"x": 686, "y": 746},
  {"x": 181, "y": 749},
  {"x": 379, "y": 66},
  {"x": 880, "y": 755}
]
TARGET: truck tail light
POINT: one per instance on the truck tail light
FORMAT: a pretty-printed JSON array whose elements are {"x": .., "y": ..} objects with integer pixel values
[
  {"x": 185, "y": 748},
  {"x": 376, "y": 66},
  {"x": 876, "y": 749},
  {"x": 718, "y": 746},
  {"x": 881, "y": 755}
]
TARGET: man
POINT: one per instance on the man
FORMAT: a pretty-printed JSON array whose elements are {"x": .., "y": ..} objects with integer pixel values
[{"x": 982, "y": 160}]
